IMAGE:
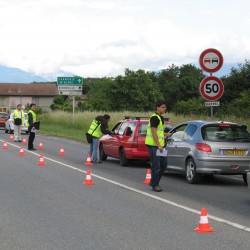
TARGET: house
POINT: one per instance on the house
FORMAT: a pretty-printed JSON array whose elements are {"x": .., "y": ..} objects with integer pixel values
[{"x": 42, "y": 94}]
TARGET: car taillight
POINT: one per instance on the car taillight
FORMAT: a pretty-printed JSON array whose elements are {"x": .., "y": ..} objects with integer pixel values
[
  {"x": 135, "y": 142},
  {"x": 203, "y": 147}
]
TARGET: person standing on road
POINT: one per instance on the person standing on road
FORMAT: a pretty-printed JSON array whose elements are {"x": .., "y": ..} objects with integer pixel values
[
  {"x": 31, "y": 127},
  {"x": 155, "y": 142},
  {"x": 98, "y": 127},
  {"x": 18, "y": 120}
]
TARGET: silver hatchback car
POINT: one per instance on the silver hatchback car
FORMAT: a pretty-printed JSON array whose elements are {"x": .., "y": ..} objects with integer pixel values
[{"x": 199, "y": 148}]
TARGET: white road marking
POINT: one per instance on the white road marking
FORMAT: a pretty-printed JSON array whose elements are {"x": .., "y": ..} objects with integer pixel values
[{"x": 230, "y": 223}]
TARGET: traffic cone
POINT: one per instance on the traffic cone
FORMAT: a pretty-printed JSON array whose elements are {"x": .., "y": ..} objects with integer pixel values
[
  {"x": 41, "y": 161},
  {"x": 88, "y": 161},
  {"x": 11, "y": 137},
  {"x": 88, "y": 180},
  {"x": 61, "y": 151},
  {"x": 21, "y": 153},
  {"x": 148, "y": 177},
  {"x": 24, "y": 141},
  {"x": 40, "y": 145},
  {"x": 5, "y": 146},
  {"x": 204, "y": 226}
]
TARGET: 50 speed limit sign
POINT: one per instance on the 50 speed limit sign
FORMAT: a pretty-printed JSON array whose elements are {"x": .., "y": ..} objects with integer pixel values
[{"x": 211, "y": 88}]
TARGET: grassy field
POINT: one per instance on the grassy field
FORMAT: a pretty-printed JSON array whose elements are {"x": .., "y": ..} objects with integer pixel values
[{"x": 61, "y": 124}]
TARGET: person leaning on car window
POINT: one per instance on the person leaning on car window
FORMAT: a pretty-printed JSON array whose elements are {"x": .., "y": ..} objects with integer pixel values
[
  {"x": 98, "y": 127},
  {"x": 155, "y": 141},
  {"x": 18, "y": 121},
  {"x": 31, "y": 126}
]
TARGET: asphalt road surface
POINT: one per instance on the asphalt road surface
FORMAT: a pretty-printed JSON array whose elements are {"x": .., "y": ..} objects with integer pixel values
[{"x": 48, "y": 207}]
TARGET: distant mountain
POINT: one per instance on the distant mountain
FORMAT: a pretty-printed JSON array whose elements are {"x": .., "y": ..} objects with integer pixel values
[{"x": 15, "y": 75}]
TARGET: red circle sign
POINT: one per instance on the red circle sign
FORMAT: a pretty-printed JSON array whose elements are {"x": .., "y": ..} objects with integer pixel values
[
  {"x": 211, "y": 88},
  {"x": 211, "y": 60}
]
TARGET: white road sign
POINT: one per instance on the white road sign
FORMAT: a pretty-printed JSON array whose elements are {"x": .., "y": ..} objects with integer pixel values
[
  {"x": 62, "y": 87},
  {"x": 212, "y": 104},
  {"x": 70, "y": 92}
]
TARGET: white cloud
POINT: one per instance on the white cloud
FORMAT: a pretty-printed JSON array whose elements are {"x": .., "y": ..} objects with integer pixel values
[{"x": 101, "y": 38}]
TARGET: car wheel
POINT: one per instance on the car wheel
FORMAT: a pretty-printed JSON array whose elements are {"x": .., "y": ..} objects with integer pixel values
[
  {"x": 123, "y": 160},
  {"x": 245, "y": 178},
  {"x": 6, "y": 131},
  {"x": 191, "y": 176},
  {"x": 102, "y": 155},
  {"x": 27, "y": 132}
]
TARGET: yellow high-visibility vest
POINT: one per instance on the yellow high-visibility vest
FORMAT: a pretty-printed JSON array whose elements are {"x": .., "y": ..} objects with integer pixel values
[
  {"x": 16, "y": 115},
  {"x": 95, "y": 129},
  {"x": 159, "y": 131},
  {"x": 33, "y": 115}
]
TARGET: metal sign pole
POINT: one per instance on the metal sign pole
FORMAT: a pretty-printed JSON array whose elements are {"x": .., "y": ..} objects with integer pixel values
[{"x": 73, "y": 110}]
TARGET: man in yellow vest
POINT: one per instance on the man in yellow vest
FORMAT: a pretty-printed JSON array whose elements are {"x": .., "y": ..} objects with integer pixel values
[
  {"x": 97, "y": 128},
  {"x": 31, "y": 126},
  {"x": 155, "y": 144},
  {"x": 18, "y": 120}
]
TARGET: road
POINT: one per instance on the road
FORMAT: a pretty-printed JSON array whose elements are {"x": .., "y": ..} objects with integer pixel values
[{"x": 48, "y": 207}]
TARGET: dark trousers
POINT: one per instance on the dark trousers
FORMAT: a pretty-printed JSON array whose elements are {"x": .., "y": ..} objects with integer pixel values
[
  {"x": 158, "y": 166},
  {"x": 31, "y": 140}
]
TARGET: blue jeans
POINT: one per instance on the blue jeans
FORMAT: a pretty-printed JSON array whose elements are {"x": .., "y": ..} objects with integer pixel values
[
  {"x": 93, "y": 150},
  {"x": 158, "y": 166}
]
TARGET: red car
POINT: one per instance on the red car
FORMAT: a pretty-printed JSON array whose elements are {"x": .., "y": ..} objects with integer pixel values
[
  {"x": 128, "y": 141},
  {"x": 3, "y": 118}
]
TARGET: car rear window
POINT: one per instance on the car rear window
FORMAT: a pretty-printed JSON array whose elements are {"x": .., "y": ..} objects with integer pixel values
[
  {"x": 2, "y": 115},
  {"x": 225, "y": 133}
]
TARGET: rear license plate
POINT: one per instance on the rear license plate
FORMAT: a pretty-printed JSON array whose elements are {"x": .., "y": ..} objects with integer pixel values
[{"x": 234, "y": 152}]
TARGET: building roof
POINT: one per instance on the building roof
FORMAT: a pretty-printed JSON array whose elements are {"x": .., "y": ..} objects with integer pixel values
[{"x": 31, "y": 89}]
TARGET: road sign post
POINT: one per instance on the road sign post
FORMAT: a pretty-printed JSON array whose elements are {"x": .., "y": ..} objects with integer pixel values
[
  {"x": 211, "y": 88},
  {"x": 71, "y": 86}
]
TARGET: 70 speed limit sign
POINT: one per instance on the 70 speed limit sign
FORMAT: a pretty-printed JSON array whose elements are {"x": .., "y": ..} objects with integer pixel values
[{"x": 211, "y": 88}]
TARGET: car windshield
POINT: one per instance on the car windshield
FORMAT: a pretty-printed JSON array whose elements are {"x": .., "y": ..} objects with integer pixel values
[{"x": 225, "y": 133}]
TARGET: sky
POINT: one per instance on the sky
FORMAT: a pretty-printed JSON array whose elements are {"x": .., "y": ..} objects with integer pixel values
[{"x": 98, "y": 38}]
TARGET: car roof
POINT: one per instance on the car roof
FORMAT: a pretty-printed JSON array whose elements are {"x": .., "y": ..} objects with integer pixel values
[{"x": 204, "y": 122}]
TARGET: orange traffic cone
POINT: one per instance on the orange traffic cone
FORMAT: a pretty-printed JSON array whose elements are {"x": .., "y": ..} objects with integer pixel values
[
  {"x": 21, "y": 153},
  {"x": 148, "y": 177},
  {"x": 88, "y": 162},
  {"x": 40, "y": 145},
  {"x": 5, "y": 146},
  {"x": 41, "y": 161},
  {"x": 204, "y": 226},
  {"x": 88, "y": 180},
  {"x": 24, "y": 141},
  {"x": 61, "y": 151},
  {"x": 11, "y": 137}
]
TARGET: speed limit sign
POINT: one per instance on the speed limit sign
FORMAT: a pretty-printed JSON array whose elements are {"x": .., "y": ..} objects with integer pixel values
[{"x": 211, "y": 88}]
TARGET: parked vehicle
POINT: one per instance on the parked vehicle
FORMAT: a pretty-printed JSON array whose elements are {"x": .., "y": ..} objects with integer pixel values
[
  {"x": 128, "y": 141},
  {"x": 3, "y": 118},
  {"x": 199, "y": 148},
  {"x": 9, "y": 126}
]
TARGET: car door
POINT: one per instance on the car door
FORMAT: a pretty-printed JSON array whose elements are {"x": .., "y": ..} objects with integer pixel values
[
  {"x": 119, "y": 139},
  {"x": 109, "y": 140},
  {"x": 173, "y": 147}
]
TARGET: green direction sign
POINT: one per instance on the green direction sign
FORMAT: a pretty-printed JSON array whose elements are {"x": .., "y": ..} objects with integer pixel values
[{"x": 69, "y": 80}]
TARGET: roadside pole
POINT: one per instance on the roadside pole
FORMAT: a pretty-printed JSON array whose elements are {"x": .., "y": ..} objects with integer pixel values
[{"x": 73, "y": 110}]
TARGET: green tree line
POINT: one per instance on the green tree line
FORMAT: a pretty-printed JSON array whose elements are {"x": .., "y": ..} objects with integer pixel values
[{"x": 178, "y": 85}]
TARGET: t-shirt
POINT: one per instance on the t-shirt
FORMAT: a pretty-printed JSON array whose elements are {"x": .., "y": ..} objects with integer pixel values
[{"x": 154, "y": 121}]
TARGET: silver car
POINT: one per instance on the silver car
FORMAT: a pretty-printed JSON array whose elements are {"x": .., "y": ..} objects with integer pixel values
[{"x": 199, "y": 148}]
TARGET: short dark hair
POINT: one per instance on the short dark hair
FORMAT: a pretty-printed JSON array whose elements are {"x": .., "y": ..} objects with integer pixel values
[
  {"x": 18, "y": 105},
  {"x": 32, "y": 104},
  {"x": 106, "y": 116},
  {"x": 159, "y": 103}
]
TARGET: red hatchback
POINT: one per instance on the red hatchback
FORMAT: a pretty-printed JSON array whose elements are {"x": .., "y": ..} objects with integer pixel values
[
  {"x": 128, "y": 141},
  {"x": 3, "y": 118}
]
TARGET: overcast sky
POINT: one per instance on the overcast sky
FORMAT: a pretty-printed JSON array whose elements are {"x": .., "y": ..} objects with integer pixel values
[{"x": 103, "y": 37}]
